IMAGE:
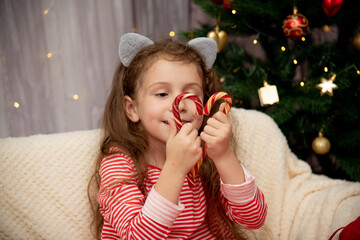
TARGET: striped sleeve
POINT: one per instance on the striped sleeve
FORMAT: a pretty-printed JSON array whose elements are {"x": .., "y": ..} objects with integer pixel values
[
  {"x": 126, "y": 212},
  {"x": 161, "y": 209},
  {"x": 245, "y": 203}
]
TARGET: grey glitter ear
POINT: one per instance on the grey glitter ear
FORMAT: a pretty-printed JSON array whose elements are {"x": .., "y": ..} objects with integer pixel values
[
  {"x": 130, "y": 44},
  {"x": 207, "y": 47}
]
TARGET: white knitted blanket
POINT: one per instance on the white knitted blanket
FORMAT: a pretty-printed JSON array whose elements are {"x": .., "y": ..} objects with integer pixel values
[{"x": 43, "y": 182}]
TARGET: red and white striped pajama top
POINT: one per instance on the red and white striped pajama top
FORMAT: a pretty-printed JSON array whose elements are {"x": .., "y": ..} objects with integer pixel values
[{"x": 128, "y": 215}]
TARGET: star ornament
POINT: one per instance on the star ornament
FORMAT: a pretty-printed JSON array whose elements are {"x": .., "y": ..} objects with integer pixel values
[{"x": 327, "y": 85}]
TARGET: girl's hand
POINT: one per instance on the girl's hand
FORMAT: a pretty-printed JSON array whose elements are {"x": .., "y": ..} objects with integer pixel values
[
  {"x": 217, "y": 135},
  {"x": 183, "y": 149}
]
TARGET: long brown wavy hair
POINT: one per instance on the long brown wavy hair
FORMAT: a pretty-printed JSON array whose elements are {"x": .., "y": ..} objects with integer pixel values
[{"x": 118, "y": 130}]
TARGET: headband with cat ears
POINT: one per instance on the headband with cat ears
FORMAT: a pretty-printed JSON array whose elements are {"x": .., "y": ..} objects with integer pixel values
[{"x": 131, "y": 43}]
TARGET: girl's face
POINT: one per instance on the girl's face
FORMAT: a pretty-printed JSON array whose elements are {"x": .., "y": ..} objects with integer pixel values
[{"x": 159, "y": 86}]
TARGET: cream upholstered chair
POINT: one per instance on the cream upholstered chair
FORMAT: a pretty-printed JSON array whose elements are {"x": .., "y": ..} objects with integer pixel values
[{"x": 43, "y": 184}]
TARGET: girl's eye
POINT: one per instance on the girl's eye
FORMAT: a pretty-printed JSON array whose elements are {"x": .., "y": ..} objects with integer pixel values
[{"x": 161, "y": 94}]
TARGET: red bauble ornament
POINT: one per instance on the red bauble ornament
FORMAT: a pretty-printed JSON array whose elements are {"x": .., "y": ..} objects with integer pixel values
[
  {"x": 217, "y": 1},
  {"x": 295, "y": 26},
  {"x": 331, "y": 7},
  {"x": 227, "y": 5}
]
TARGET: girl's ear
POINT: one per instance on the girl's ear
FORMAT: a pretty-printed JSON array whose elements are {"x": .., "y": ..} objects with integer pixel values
[{"x": 131, "y": 110}]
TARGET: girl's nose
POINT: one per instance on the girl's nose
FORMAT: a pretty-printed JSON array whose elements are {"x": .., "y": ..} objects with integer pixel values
[{"x": 182, "y": 105}]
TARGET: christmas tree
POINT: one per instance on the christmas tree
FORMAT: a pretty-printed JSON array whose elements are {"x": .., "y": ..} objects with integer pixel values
[{"x": 312, "y": 63}]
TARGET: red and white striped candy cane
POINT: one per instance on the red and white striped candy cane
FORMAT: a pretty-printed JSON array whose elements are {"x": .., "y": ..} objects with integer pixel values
[
  {"x": 219, "y": 95},
  {"x": 178, "y": 121},
  {"x": 210, "y": 103},
  {"x": 175, "y": 106}
]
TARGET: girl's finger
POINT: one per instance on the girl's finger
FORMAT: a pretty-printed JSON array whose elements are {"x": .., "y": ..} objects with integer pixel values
[
  {"x": 193, "y": 134},
  {"x": 210, "y": 130},
  {"x": 198, "y": 142},
  {"x": 222, "y": 107},
  {"x": 207, "y": 138},
  {"x": 186, "y": 128}
]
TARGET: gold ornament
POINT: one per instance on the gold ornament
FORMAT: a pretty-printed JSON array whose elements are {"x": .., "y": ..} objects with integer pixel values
[
  {"x": 220, "y": 37},
  {"x": 356, "y": 42},
  {"x": 321, "y": 145},
  {"x": 327, "y": 85},
  {"x": 268, "y": 95}
]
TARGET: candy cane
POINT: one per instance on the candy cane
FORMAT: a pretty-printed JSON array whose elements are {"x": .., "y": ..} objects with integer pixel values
[
  {"x": 219, "y": 95},
  {"x": 210, "y": 103},
  {"x": 175, "y": 106},
  {"x": 178, "y": 121}
]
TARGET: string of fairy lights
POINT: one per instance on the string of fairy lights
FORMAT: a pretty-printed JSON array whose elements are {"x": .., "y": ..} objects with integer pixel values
[
  {"x": 294, "y": 60},
  {"x": 51, "y": 54},
  {"x": 326, "y": 85},
  {"x": 255, "y": 41},
  {"x": 295, "y": 27}
]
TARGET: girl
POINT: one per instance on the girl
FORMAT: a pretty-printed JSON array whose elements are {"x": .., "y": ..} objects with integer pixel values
[{"x": 143, "y": 192}]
